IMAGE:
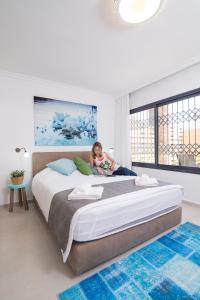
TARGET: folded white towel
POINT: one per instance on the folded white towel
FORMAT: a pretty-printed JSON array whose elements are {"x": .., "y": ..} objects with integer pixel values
[
  {"x": 83, "y": 189},
  {"x": 146, "y": 180},
  {"x": 94, "y": 194}
]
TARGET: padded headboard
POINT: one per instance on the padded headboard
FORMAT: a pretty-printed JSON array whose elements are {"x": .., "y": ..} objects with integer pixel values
[{"x": 40, "y": 159}]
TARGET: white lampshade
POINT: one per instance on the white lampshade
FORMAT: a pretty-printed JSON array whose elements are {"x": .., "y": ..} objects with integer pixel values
[
  {"x": 137, "y": 11},
  {"x": 26, "y": 154}
]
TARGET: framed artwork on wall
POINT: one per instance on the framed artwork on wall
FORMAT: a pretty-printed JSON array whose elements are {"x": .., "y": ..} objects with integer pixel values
[{"x": 64, "y": 123}]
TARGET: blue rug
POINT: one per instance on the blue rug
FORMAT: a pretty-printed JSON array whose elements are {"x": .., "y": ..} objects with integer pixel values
[{"x": 166, "y": 269}]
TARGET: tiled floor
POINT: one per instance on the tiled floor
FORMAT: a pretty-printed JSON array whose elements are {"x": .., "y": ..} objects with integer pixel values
[{"x": 31, "y": 266}]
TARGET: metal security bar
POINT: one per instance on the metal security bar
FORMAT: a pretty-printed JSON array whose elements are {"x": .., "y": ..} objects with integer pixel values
[{"x": 179, "y": 133}]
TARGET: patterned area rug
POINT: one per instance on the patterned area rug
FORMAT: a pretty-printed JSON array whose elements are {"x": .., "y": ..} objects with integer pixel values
[{"x": 166, "y": 269}]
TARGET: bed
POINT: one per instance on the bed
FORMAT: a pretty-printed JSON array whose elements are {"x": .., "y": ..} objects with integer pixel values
[{"x": 112, "y": 226}]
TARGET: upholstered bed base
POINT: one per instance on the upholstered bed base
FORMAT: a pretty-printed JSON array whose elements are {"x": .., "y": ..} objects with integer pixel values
[{"x": 87, "y": 255}]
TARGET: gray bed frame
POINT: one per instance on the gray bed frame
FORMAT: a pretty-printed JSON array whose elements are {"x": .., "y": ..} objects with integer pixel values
[{"x": 87, "y": 255}]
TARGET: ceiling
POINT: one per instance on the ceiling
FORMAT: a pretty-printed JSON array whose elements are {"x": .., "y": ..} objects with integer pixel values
[{"x": 81, "y": 42}]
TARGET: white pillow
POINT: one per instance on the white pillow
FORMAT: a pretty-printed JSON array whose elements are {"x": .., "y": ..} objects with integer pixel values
[{"x": 77, "y": 173}]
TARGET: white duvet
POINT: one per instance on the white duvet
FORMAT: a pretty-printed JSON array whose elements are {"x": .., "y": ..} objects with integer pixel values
[{"x": 108, "y": 216}]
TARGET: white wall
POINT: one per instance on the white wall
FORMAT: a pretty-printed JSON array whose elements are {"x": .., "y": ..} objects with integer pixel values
[
  {"x": 16, "y": 120},
  {"x": 178, "y": 83}
]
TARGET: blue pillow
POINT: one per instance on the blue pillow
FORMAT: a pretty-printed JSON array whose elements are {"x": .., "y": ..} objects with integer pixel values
[{"x": 64, "y": 166}]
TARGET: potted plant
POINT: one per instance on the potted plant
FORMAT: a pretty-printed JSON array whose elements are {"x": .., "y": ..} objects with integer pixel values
[{"x": 17, "y": 176}]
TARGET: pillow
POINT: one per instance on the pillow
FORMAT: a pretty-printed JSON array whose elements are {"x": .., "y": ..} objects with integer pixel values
[
  {"x": 83, "y": 166},
  {"x": 64, "y": 166}
]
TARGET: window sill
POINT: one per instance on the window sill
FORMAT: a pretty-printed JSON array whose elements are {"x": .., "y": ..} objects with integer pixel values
[{"x": 193, "y": 170}]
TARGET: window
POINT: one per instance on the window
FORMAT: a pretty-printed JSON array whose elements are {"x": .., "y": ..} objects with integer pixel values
[{"x": 166, "y": 134}]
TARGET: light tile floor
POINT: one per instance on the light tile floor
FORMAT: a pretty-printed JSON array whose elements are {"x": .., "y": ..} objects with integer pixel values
[{"x": 31, "y": 266}]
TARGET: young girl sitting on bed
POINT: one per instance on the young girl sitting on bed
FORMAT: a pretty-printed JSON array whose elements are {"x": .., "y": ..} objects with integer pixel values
[{"x": 105, "y": 164}]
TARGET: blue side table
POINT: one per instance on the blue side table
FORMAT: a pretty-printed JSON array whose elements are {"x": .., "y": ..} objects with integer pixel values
[{"x": 22, "y": 195}]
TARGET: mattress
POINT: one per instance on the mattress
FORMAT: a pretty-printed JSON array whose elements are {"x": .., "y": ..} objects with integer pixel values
[{"x": 119, "y": 214}]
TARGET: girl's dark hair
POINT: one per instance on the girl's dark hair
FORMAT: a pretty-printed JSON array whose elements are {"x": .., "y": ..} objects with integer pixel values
[{"x": 97, "y": 144}]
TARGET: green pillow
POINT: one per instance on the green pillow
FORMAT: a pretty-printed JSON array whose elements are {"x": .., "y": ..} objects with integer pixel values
[{"x": 83, "y": 166}]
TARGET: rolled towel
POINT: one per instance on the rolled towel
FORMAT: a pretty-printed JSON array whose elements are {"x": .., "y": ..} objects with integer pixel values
[
  {"x": 146, "y": 180},
  {"x": 95, "y": 194}
]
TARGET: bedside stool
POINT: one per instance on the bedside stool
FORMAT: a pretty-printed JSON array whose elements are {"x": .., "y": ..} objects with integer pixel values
[{"x": 22, "y": 195}]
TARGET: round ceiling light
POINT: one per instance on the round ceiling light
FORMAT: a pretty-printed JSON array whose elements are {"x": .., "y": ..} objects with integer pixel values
[{"x": 137, "y": 11}]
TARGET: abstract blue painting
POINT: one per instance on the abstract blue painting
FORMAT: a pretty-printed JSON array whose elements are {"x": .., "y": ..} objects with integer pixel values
[
  {"x": 64, "y": 123},
  {"x": 167, "y": 269}
]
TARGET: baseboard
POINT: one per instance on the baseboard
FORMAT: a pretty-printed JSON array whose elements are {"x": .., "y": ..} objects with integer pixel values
[
  {"x": 15, "y": 202},
  {"x": 191, "y": 203},
  {"x": 184, "y": 201}
]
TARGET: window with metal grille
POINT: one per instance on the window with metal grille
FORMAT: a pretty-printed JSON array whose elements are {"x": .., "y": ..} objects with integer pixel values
[{"x": 166, "y": 134}]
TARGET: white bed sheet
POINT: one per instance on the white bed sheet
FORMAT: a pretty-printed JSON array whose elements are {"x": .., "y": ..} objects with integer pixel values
[{"x": 121, "y": 211}]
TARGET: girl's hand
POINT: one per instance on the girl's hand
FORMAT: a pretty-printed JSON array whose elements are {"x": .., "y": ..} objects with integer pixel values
[
  {"x": 112, "y": 161},
  {"x": 112, "y": 168}
]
